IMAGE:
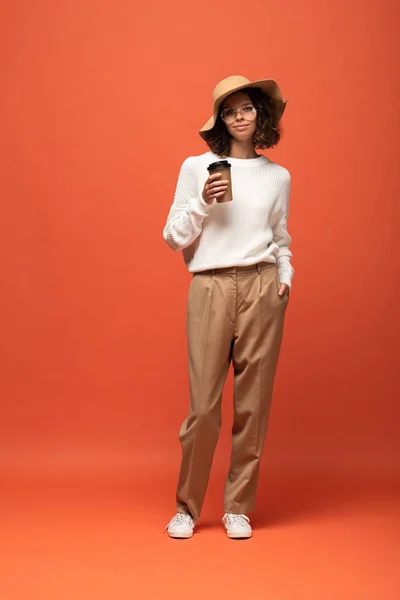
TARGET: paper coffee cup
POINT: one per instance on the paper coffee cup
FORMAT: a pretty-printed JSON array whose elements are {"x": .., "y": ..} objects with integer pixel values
[{"x": 223, "y": 167}]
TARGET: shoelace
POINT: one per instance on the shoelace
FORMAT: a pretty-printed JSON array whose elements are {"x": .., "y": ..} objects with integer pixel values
[
  {"x": 180, "y": 518},
  {"x": 240, "y": 520}
]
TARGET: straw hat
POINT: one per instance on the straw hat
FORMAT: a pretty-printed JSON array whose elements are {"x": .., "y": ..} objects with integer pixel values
[{"x": 234, "y": 83}]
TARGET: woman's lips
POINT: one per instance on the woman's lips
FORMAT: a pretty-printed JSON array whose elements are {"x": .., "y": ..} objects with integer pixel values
[{"x": 241, "y": 127}]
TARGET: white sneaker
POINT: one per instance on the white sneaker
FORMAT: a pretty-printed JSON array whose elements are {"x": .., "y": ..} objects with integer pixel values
[
  {"x": 181, "y": 526},
  {"x": 237, "y": 526}
]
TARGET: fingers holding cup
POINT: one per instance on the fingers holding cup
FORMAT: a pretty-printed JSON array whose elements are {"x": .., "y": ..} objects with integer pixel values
[{"x": 214, "y": 188}]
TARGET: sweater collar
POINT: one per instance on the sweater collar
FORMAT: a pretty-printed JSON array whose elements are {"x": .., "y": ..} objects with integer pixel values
[{"x": 242, "y": 162}]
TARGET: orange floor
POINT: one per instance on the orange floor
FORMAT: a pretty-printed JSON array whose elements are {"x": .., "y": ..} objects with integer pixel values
[{"x": 314, "y": 538}]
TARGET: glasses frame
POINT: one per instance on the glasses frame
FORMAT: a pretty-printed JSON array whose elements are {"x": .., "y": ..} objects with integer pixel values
[{"x": 236, "y": 111}]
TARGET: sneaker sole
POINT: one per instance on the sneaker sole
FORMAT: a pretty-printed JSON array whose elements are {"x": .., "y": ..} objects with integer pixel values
[
  {"x": 181, "y": 535},
  {"x": 238, "y": 536}
]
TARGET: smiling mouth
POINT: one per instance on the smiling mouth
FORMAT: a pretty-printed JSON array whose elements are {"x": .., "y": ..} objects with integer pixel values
[{"x": 241, "y": 127}]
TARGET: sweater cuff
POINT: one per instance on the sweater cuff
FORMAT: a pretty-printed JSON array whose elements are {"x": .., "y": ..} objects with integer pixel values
[
  {"x": 199, "y": 207},
  {"x": 285, "y": 270}
]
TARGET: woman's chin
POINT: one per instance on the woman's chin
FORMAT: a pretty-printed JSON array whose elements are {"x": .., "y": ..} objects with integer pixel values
[{"x": 242, "y": 136}]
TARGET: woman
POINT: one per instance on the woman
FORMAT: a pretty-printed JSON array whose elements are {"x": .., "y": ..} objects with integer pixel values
[{"x": 239, "y": 255}]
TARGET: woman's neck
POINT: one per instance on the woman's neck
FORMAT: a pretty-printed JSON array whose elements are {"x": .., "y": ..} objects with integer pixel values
[{"x": 238, "y": 150}]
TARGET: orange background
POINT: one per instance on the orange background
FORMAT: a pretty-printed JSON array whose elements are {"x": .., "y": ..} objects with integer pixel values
[{"x": 100, "y": 104}]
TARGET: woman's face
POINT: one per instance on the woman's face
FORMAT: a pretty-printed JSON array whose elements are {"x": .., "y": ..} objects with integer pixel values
[{"x": 244, "y": 125}]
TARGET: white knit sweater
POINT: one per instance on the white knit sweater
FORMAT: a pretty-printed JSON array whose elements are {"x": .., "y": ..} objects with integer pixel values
[{"x": 250, "y": 229}]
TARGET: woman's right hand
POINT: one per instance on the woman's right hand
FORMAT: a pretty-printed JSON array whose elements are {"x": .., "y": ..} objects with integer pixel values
[{"x": 214, "y": 189}]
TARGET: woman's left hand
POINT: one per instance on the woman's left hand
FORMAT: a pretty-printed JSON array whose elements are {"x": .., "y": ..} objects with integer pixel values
[{"x": 283, "y": 289}]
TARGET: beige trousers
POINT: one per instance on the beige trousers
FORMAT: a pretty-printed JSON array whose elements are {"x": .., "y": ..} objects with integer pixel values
[{"x": 234, "y": 316}]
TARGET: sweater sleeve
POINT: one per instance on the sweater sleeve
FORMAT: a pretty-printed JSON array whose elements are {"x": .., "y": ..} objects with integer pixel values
[
  {"x": 280, "y": 233},
  {"x": 188, "y": 211}
]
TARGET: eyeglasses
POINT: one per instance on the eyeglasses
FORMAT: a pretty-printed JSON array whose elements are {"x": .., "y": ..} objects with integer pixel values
[{"x": 228, "y": 115}]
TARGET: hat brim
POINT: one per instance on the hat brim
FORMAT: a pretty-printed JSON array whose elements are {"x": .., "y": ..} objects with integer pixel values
[{"x": 268, "y": 86}]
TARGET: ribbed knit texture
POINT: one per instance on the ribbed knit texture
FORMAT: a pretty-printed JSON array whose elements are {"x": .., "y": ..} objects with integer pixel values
[{"x": 250, "y": 229}]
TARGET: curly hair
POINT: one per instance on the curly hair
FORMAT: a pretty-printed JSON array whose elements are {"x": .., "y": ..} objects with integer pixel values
[{"x": 268, "y": 131}]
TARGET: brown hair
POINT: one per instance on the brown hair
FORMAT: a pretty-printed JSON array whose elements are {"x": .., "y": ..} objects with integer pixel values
[{"x": 267, "y": 133}]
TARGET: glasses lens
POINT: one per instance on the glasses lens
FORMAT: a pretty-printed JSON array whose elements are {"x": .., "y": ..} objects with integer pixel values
[
  {"x": 249, "y": 112},
  {"x": 228, "y": 115}
]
